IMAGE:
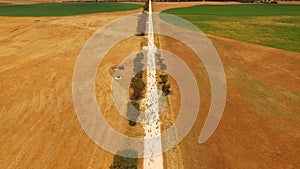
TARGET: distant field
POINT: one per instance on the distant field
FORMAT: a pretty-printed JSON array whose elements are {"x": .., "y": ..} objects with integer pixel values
[
  {"x": 64, "y": 9},
  {"x": 270, "y": 25}
]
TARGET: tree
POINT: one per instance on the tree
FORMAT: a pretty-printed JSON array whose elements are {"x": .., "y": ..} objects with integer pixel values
[
  {"x": 139, "y": 74},
  {"x": 166, "y": 89},
  {"x": 133, "y": 112},
  {"x": 125, "y": 159},
  {"x": 138, "y": 65},
  {"x": 163, "y": 79},
  {"x": 138, "y": 85},
  {"x": 160, "y": 61}
]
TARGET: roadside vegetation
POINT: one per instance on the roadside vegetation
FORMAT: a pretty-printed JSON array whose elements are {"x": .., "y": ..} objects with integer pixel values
[
  {"x": 64, "y": 9},
  {"x": 141, "y": 28},
  {"x": 122, "y": 161},
  {"x": 138, "y": 65},
  {"x": 137, "y": 83},
  {"x": 165, "y": 87},
  {"x": 138, "y": 86},
  {"x": 133, "y": 112},
  {"x": 265, "y": 24},
  {"x": 163, "y": 78},
  {"x": 138, "y": 90},
  {"x": 160, "y": 61}
]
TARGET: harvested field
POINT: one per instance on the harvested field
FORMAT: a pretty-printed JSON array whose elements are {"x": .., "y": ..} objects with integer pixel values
[
  {"x": 39, "y": 129},
  {"x": 260, "y": 122}
]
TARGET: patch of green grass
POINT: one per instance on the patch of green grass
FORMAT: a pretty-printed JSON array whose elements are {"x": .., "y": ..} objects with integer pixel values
[
  {"x": 269, "y": 25},
  {"x": 64, "y": 9},
  {"x": 241, "y": 10},
  {"x": 264, "y": 99}
]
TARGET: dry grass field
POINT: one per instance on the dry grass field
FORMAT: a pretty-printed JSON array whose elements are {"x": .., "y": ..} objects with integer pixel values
[
  {"x": 259, "y": 128},
  {"x": 39, "y": 128},
  {"x": 260, "y": 121}
]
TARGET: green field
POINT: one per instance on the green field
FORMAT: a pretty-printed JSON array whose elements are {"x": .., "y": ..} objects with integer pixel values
[
  {"x": 269, "y": 25},
  {"x": 64, "y": 9}
]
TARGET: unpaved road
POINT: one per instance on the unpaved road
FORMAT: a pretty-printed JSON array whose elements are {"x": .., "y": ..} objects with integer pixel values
[{"x": 152, "y": 125}]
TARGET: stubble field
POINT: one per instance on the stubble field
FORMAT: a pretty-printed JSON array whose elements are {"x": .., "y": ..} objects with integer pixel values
[{"x": 39, "y": 127}]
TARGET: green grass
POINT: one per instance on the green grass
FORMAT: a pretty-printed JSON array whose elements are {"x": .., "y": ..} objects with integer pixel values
[
  {"x": 270, "y": 25},
  {"x": 64, "y": 9},
  {"x": 265, "y": 99}
]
